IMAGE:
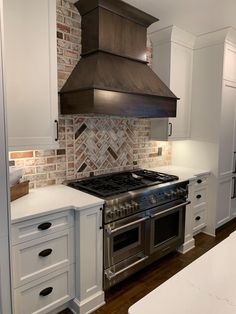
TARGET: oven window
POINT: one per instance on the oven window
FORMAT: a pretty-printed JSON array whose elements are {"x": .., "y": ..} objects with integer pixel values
[
  {"x": 125, "y": 239},
  {"x": 166, "y": 228}
]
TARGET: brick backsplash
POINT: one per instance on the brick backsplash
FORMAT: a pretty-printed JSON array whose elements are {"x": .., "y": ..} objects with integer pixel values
[{"x": 88, "y": 144}]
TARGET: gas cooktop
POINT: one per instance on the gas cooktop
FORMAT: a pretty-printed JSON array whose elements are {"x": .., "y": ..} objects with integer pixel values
[{"x": 116, "y": 183}]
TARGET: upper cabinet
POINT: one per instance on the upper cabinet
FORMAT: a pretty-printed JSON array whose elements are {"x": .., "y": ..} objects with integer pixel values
[
  {"x": 173, "y": 62},
  {"x": 30, "y": 64}
]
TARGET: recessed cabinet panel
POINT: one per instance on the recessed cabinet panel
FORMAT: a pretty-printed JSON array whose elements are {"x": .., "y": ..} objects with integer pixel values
[
  {"x": 31, "y": 72},
  {"x": 230, "y": 63},
  {"x": 182, "y": 62},
  {"x": 37, "y": 258},
  {"x": 45, "y": 294},
  {"x": 227, "y": 129},
  {"x": 224, "y": 202}
]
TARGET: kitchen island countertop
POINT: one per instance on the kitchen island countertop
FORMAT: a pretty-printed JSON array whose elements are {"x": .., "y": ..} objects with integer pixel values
[
  {"x": 205, "y": 286},
  {"x": 51, "y": 199}
]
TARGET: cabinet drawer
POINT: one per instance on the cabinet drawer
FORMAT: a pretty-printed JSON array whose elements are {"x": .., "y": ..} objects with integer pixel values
[
  {"x": 199, "y": 197},
  {"x": 39, "y": 227},
  {"x": 45, "y": 294},
  {"x": 37, "y": 258},
  {"x": 200, "y": 182},
  {"x": 199, "y": 220}
]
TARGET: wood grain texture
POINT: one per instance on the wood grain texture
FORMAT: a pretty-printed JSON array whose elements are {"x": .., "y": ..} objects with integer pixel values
[
  {"x": 114, "y": 58},
  {"x": 107, "y": 31},
  {"x": 122, "y": 296}
]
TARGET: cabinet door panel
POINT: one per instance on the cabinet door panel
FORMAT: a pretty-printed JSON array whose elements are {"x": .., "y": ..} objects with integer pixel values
[
  {"x": 181, "y": 66},
  {"x": 223, "y": 202},
  {"x": 230, "y": 63},
  {"x": 227, "y": 129},
  {"x": 31, "y": 75}
]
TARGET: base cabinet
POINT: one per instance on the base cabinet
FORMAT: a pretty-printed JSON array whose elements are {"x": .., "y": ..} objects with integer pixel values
[
  {"x": 196, "y": 211},
  {"x": 43, "y": 263},
  {"x": 58, "y": 262}
]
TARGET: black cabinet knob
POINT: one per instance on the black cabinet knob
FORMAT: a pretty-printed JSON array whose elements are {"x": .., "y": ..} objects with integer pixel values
[
  {"x": 45, "y": 253},
  {"x": 199, "y": 181},
  {"x": 46, "y": 291},
  {"x": 197, "y": 218},
  {"x": 45, "y": 226},
  {"x": 198, "y": 196}
]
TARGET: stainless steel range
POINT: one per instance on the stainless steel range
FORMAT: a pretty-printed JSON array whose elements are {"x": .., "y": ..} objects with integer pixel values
[{"x": 144, "y": 218}]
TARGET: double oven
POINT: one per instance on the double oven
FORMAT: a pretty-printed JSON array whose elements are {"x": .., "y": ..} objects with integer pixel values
[
  {"x": 144, "y": 218},
  {"x": 138, "y": 240}
]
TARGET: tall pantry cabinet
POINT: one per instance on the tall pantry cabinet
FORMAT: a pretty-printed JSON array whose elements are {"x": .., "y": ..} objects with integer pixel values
[{"x": 213, "y": 122}]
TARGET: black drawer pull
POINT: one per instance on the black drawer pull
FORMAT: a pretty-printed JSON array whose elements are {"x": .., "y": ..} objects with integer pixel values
[
  {"x": 45, "y": 253},
  {"x": 199, "y": 181},
  {"x": 198, "y": 196},
  {"x": 45, "y": 226},
  {"x": 46, "y": 291},
  {"x": 57, "y": 130},
  {"x": 197, "y": 218}
]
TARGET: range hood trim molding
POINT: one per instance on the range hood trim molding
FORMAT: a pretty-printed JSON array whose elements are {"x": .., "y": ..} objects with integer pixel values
[
  {"x": 116, "y": 91},
  {"x": 120, "y": 8}
]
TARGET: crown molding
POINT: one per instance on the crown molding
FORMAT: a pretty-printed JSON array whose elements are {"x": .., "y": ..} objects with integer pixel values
[{"x": 172, "y": 34}]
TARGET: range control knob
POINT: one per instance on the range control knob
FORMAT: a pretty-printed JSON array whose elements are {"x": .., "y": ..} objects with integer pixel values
[
  {"x": 167, "y": 195},
  {"x": 134, "y": 206},
  {"x": 152, "y": 199},
  {"x": 127, "y": 206},
  {"x": 173, "y": 193}
]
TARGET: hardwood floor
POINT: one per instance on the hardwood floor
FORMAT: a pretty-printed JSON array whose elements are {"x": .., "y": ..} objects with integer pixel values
[{"x": 122, "y": 296}]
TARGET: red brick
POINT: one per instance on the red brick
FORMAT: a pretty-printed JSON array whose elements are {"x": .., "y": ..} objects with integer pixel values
[
  {"x": 63, "y": 28},
  {"x": 17, "y": 155}
]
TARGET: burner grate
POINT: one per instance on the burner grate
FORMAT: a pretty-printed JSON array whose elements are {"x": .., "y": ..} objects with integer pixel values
[
  {"x": 156, "y": 176},
  {"x": 117, "y": 183}
]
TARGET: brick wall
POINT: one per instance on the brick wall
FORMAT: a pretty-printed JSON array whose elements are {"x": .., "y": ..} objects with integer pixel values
[{"x": 88, "y": 144}]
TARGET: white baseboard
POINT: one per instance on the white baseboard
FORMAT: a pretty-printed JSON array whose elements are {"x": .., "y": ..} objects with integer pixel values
[
  {"x": 88, "y": 305},
  {"x": 187, "y": 246}
]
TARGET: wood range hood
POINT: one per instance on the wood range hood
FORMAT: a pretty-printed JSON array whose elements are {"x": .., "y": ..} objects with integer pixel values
[{"x": 112, "y": 76}]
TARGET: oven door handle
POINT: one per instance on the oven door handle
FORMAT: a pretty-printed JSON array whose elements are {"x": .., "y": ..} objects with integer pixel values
[
  {"x": 170, "y": 209},
  {"x": 110, "y": 231},
  {"x": 111, "y": 275}
]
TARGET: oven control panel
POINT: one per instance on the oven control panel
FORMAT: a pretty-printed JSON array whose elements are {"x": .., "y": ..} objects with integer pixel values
[{"x": 140, "y": 201}]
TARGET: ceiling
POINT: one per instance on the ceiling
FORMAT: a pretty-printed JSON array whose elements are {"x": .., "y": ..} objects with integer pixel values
[{"x": 194, "y": 16}]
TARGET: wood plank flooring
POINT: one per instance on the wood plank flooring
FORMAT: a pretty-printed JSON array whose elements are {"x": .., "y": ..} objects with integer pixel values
[{"x": 122, "y": 296}]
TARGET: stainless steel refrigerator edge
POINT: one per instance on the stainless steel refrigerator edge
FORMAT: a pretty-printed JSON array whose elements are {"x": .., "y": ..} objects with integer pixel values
[{"x": 5, "y": 288}]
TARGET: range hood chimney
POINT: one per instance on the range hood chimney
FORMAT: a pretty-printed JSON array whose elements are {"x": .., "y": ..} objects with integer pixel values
[{"x": 112, "y": 76}]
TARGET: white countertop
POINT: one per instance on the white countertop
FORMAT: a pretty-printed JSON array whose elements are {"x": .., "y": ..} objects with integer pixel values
[
  {"x": 208, "y": 285},
  {"x": 182, "y": 172},
  {"x": 51, "y": 199},
  {"x": 60, "y": 197}
]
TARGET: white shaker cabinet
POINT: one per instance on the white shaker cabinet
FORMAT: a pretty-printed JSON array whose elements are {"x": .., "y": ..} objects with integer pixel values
[
  {"x": 173, "y": 62},
  {"x": 30, "y": 57},
  {"x": 213, "y": 121}
]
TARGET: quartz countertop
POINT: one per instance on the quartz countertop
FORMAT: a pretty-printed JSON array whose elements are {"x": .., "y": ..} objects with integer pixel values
[
  {"x": 208, "y": 285},
  {"x": 51, "y": 199},
  {"x": 182, "y": 172},
  {"x": 56, "y": 198}
]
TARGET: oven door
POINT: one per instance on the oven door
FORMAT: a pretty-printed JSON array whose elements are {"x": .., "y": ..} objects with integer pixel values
[
  {"x": 124, "y": 238},
  {"x": 167, "y": 227}
]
